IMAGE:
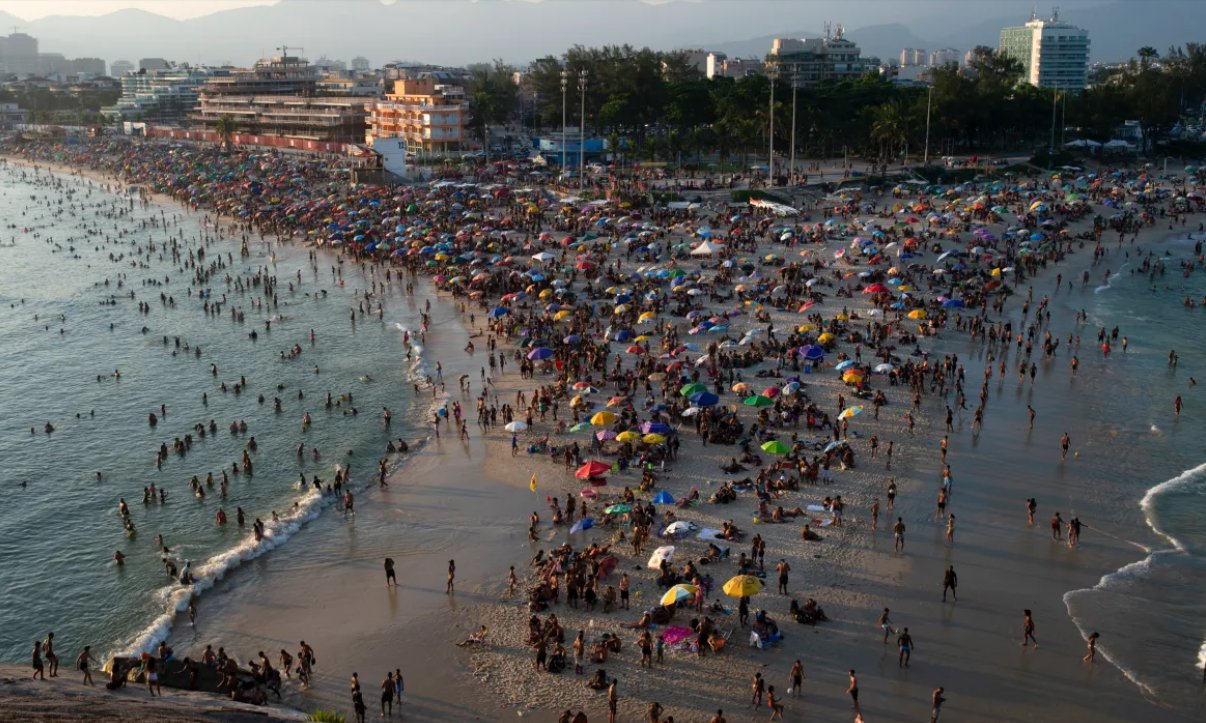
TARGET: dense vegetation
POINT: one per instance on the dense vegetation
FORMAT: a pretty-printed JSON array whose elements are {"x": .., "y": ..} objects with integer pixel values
[{"x": 663, "y": 108}]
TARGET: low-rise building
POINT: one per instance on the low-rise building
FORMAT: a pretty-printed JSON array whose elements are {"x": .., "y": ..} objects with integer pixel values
[
  {"x": 338, "y": 119},
  {"x": 166, "y": 97},
  {"x": 813, "y": 60},
  {"x": 719, "y": 65},
  {"x": 426, "y": 113}
]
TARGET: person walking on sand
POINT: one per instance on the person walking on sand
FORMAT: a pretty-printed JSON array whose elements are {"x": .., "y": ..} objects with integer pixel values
[
  {"x": 48, "y": 649},
  {"x": 387, "y": 696},
  {"x": 1064, "y": 442},
  {"x": 936, "y": 700},
  {"x": 1028, "y": 628},
  {"x": 898, "y": 532},
  {"x": 358, "y": 705},
  {"x": 853, "y": 691},
  {"x": 885, "y": 623},
  {"x": 451, "y": 576},
  {"x": 774, "y": 704},
  {"x": 950, "y": 581},
  {"x": 950, "y": 529},
  {"x": 757, "y": 687},
  {"x": 904, "y": 642},
  {"x": 613, "y": 700},
  {"x": 38, "y": 670},
  {"x": 1091, "y": 654},
  {"x": 795, "y": 679},
  {"x": 390, "y": 577},
  {"x": 82, "y": 661},
  {"x": 782, "y": 568},
  {"x": 1031, "y": 508}
]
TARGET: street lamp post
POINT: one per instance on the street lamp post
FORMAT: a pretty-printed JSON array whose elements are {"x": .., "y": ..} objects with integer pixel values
[
  {"x": 564, "y": 82},
  {"x": 929, "y": 101},
  {"x": 794, "y": 88},
  {"x": 582, "y": 130},
  {"x": 773, "y": 74}
]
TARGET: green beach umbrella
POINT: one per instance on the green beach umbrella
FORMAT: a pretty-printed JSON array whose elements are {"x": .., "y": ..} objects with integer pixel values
[
  {"x": 758, "y": 401},
  {"x": 775, "y": 447},
  {"x": 689, "y": 389}
]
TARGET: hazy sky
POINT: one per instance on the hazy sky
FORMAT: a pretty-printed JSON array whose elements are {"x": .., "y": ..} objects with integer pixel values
[{"x": 179, "y": 9}]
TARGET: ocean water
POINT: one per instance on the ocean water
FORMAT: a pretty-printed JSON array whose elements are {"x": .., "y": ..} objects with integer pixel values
[
  {"x": 64, "y": 334},
  {"x": 1152, "y": 612}
]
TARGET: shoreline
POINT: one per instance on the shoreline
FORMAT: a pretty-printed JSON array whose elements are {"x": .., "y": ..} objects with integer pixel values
[{"x": 849, "y": 582}]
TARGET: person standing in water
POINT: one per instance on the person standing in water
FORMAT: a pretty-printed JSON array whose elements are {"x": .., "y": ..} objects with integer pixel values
[{"x": 451, "y": 576}]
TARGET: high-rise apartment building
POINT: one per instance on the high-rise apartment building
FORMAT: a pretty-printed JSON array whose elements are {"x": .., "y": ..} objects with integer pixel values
[{"x": 1053, "y": 54}]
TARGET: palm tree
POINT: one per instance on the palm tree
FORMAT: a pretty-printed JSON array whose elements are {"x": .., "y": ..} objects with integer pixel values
[
  {"x": 225, "y": 128},
  {"x": 888, "y": 129}
]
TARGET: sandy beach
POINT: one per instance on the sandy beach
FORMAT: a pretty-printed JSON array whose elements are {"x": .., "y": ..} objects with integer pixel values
[{"x": 469, "y": 500}]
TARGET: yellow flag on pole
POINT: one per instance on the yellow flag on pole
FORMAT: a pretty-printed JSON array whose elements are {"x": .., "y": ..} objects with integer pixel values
[{"x": 532, "y": 484}]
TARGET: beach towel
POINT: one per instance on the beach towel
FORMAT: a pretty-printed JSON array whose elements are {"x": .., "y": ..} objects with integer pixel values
[{"x": 676, "y": 634}]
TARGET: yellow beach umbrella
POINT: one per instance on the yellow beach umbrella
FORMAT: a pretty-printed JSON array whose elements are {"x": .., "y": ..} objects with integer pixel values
[
  {"x": 647, "y": 316},
  {"x": 917, "y": 314},
  {"x": 849, "y": 412},
  {"x": 805, "y": 327},
  {"x": 563, "y": 314},
  {"x": 826, "y": 338},
  {"x": 577, "y": 401},
  {"x": 652, "y": 438},
  {"x": 852, "y": 377},
  {"x": 602, "y": 419},
  {"x": 742, "y": 586},
  {"x": 628, "y": 436}
]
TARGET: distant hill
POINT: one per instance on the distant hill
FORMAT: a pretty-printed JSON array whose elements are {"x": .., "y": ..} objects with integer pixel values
[{"x": 457, "y": 32}]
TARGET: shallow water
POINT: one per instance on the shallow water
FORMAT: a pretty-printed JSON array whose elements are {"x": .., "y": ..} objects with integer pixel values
[
  {"x": 58, "y": 534},
  {"x": 1150, "y": 612}
]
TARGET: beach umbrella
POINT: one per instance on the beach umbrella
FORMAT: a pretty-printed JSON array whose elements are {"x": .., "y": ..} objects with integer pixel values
[
  {"x": 593, "y": 468},
  {"x": 627, "y": 436},
  {"x": 691, "y": 411},
  {"x": 844, "y": 365},
  {"x": 688, "y": 389},
  {"x": 619, "y": 508},
  {"x": 884, "y": 368},
  {"x": 655, "y": 428},
  {"x": 852, "y": 376},
  {"x": 742, "y": 586},
  {"x": 774, "y": 447},
  {"x": 604, "y": 418},
  {"x": 604, "y": 435},
  {"x": 585, "y": 523},
  {"x": 516, "y": 426},
  {"x": 580, "y": 426},
  {"x": 588, "y": 494},
  {"x": 665, "y": 552},
  {"x": 654, "y": 439},
  {"x": 812, "y": 352},
  {"x": 953, "y": 304},
  {"x": 663, "y": 498},
  {"x": 679, "y": 593},
  {"x": 849, "y": 412},
  {"x": 540, "y": 353},
  {"x": 917, "y": 314},
  {"x": 758, "y": 401}
]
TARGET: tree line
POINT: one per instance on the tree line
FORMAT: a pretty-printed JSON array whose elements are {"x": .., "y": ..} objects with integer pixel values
[{"x": 657, "y": 106}]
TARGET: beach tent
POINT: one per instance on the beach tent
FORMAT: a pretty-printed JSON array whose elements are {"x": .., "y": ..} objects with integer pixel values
[{"x": 666, "y": 553}]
